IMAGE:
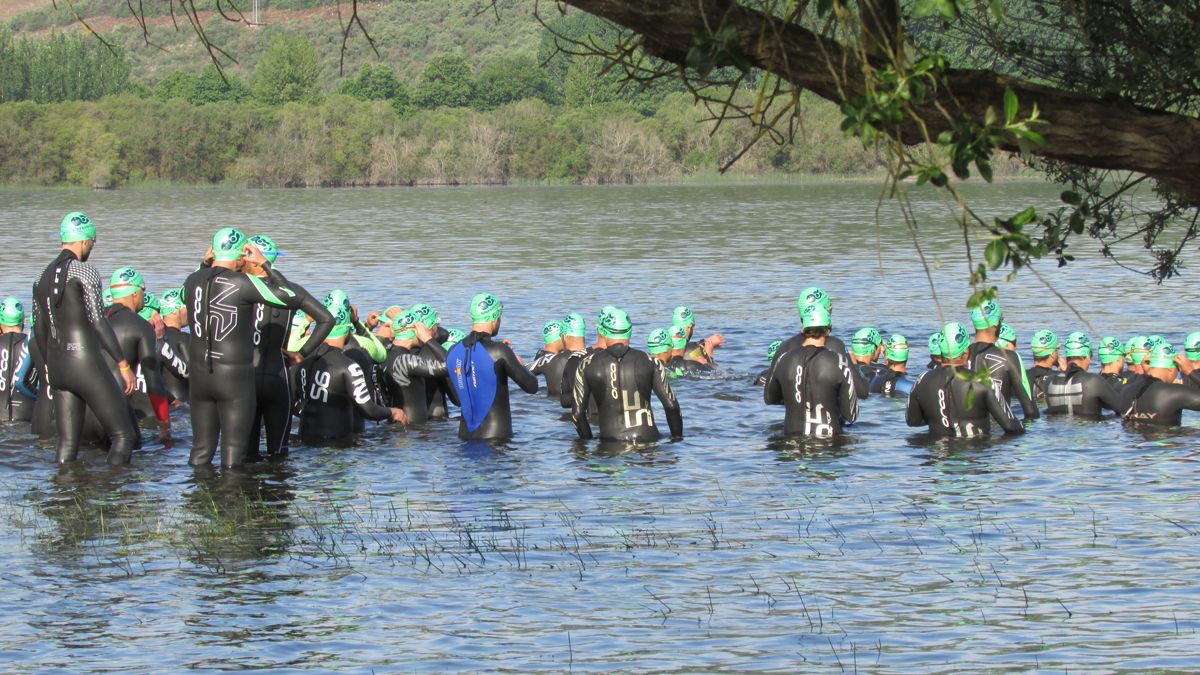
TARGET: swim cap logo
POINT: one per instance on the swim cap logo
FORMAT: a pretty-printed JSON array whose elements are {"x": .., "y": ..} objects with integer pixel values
[
  {"x": 80, "y": 221},
  {"x": 230, "y": 241}
]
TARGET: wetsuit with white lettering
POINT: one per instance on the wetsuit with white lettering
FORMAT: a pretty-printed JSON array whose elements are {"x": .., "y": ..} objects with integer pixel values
[
  {"x": 331, "y": 392},
  {"x": 72, "y": 334},
  {"x": 620, "y": 380},
  {"x": 939, "y": 400},
  {"x": 890, "y": 383},
  {"x": 14, "y": 355},
  {"x": 816, "y": 386},
  {"x": 1008, "y": 378},
  {"x": 1162, "y": 404},
  {"x": 221, "y": 305},
  {"x": 172, "y": 355}
]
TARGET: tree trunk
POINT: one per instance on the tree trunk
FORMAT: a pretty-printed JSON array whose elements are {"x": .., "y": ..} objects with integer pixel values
[{"x": 1104, "y": 134}]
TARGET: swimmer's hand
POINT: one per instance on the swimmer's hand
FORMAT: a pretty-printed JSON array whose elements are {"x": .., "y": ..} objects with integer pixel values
[
  {"x": 372, "y": 320},
  {"x": 1185, "y": 366},
  {"x": 254, "y": 256},
  {"x": 1062, "y": 363},
  {"x": 157, "y": 324},
  {"x": 399, "y": 416},
  {"x": 713, "y": 342},
  {"x": 423, "y": 333},
  {"x": 294, "y": 357},
  {"x": 209, "y": 257},
  {"x": 127, "y": 375}
]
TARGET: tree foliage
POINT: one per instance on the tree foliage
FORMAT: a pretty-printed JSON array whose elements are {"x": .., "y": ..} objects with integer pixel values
[
  {"x": 61, "y": 68},
  {"x": 288, "y": 72},
  {"x": 378, "y": 83},
  {"x": 446, "y": 82},
  {"x": 514, "y": 78}
]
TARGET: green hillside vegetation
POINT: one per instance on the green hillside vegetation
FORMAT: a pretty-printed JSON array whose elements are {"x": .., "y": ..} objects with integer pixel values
[{"x": 466, "y": 104}]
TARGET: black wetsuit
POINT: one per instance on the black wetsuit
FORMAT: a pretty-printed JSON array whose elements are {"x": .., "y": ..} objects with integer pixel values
[
  {"x": 139, "y": 348},
  {"x": 72, "y": 333},
  {"x": 365, "y": 363},
  {"x": 682, "y": 366},
  {"x": 566, "y": 396},
  {"x": 272, "y": 390},
  {"x": 221, "y": 305},
  {"x": 1037, "y": 377},
  {"x": 862, "y": 386},
  {"x": 620, "y": 380},
  {"x": 1162, "y": 404},
  {"x": 332, "y": 393},
  {"x": 939, "y": 400},
  {"x": 1078, "y": 392},
  {"x": 498, "y": 422},
  {"x": 437, "y": 390},
  {"x": 817, "y": 388},
  {"x": 408, "y": 377},
  {"x": 551, "y": 367},
  {"x": 14, "y": 406},
  {"x": 1007, "y": 376},
  {"x": 172, "y": 355},
  {"x": 762, "y": 376}
]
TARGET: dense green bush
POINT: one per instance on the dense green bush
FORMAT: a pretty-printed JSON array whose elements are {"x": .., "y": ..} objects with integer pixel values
[{"x": 61, "y": 68}]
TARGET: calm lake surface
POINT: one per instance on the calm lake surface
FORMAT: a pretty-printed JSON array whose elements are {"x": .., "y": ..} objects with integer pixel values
[{"x": 1076, "y": 546}]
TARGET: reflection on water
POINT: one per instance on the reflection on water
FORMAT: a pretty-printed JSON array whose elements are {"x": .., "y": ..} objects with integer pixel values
[{"x": 1074, "y": 545}]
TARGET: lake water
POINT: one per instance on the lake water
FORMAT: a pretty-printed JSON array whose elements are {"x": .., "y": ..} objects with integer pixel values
[{"x": 1073, "y": 547}]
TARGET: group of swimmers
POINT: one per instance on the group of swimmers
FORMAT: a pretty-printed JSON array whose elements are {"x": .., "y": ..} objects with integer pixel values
[{"x": 246, "y": 350}]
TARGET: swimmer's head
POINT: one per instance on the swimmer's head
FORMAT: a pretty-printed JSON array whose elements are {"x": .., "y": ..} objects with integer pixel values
[
  {"x": 865, "y": 342},
  {"x": 1006, "y": 337},
  {"x": 957, "y": 340},
  {"x": 1078, "y": 346},
  {"x": 1043, "y": 343},
  {"x": 552, "y": 332},
  {"x": 814, "y": 296},
  {"x": 454, "y": 336},
  {"x": 150, "y": 305},
  {"x": 403, "y": 326},
  {"x": 773, "y": 349},
  {"x": 658, "y": 342},
  {"x": 1135, "y": 350},
  {"x": 170, "y": 302},
  {"x": 338, "y": 304},
  {"x": 124, "y": 282},
  {"x": 814, "y": 316},
  {"x": 896, "y": 349},
  {"x": 267, "y": 245},
  {"x": 935, "y": 345},
  {"x": 986, "y": 315},
  {"x": 425, "y": 315},
  {"x": 1162, "y": 356},
  {"x": 615, "y": 325},
  {"x": 682, "y": 316},
  {"x": 76, "y": 226},
  {"x": 486, "y": 308},
  {"x": 228, "y": 244},
  {"x": 1111, "y": 350},
  {"x": 12, "y": 312},
  {"x": 1191, "y": 346},
  {"x": 679, "y": 338},
  {"x": 574, "y": 325}
]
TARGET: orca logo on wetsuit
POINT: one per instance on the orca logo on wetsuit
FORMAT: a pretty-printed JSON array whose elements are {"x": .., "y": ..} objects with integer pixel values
[{"x": 222, "y": 318}]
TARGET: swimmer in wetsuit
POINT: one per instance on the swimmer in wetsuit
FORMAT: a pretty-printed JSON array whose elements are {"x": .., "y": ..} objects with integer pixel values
[
  {"x": 865, "y": 346},
  {"x": 552, "y": 359},
  {"x": 771, "y": 350},
  {"x": 658, "y": 346},
  {"x": 407, "y": 373},
  {"x": 222, "y": 302},
  {"x": 272, "y": 390},
  {"x": 678, "y": 364},
  {"x": 1075, "y": 391},
  {"x": 813, "y": 295},
  {"x": 892, "y": 379},
  {"x": 174, "y": 345},
  {"x": 15, "y": 406},
  {"x": 574, "y": 329},
  {"x": 702, "y": 352},
  {"x": 1005, "y": 367},
  {"x": 71, "y": 334},
  {"x": 813, "y": 383},
  {"x": 935, "y": 353},
  {"x": 619, "y": 379},
  {"x": 952, "y": 406},
  {"x": 436, "y": 388},
  {"x": 1046, "y": 359},
  {"x": 331, "y": 389},
  {"x": 1158, "y": 400},
  {"x": 140, "y": 349},
  {"x": 1112, "y": 359},
  {"x": 479, "y": 372}
]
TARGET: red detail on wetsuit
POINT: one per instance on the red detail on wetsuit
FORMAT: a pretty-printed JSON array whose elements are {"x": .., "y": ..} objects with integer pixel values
[{"x": 161, "y": 406}]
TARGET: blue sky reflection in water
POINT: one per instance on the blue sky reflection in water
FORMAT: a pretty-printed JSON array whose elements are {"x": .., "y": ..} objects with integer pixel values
[{"x": 1073, "y": 546}]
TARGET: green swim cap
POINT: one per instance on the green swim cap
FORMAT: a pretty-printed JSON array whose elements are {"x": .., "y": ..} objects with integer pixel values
[
  {"x": 106, "y": 297},
  {"x": 814, "y": 316},
  {"x": 935, "y": 344},
  {"x": 773, "y": 348},
  {"x": 1191, "y": 346},
  {"x": 897, "y": 348},
  {"x": 266, "y": 245},
  {"x": 1006, "y": 337},
  {"x": 425, "y": 315},
  {"x": 12, "y": 312},
  {"x": 75, "y": 226},
  {"x": 1154, "y": 342},
  {"x": 615, "y": 325},
  {"x": 986, "y": 315},
  {"x": 574, "y": 325},
  {"x": 659, "y": 341},
  {"x": 678, "y": 337},
  {"x": 125, "y": 281},
  {"x": 813, "y": 296},
  {"x": 957, "y": 341},
  {"x": 1135, "y": 350},
  {"x": 1111, "y": 349},
  {"x": 552, "y": 332},
  {"x": 1078, "y": 346},
  {"x": 402, "y": 326},
  {"x": 485, "y": 308},
  {"x": 865, "y": 342},
  {"x": 170, "y": 302},
  {"x": 227, "y": 244},
  {"x": 682, "y": 316},
  {"x": 1162, "y": 356},
  {"x": 338, "y": 304},
  {"x": 454, "y": 336},
  {"x": 150, "y": 305},
  {"x": 1043, "y": 343}
]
